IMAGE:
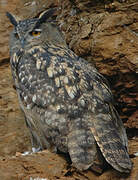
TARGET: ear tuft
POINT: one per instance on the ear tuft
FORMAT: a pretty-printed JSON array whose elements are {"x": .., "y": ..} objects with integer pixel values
[
  {"x": 44, "y": 16},
  {"x": 11, "y": 18}
]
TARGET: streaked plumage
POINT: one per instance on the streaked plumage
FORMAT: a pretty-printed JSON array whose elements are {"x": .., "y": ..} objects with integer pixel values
[{"x": 68, "y": 105}]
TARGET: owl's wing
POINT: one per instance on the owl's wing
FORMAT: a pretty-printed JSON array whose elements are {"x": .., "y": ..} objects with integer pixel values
[
  {"x": 108, "y": 129},
  {"x": 119, "y": 126},
  {"x": 57, "y": 84}
]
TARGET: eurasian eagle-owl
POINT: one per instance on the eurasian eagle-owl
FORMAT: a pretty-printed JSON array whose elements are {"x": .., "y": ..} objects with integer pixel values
[{"x": 68, "y": 105}]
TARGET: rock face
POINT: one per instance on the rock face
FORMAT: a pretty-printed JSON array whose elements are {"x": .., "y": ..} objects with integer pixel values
[{"x": 104, "y": 33}]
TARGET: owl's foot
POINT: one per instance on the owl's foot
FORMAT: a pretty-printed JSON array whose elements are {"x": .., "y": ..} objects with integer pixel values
[
  {"x": 35, "y": 150},
  {"x": 26, "y": 153}
]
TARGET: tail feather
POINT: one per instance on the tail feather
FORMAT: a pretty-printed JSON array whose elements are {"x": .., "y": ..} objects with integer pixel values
[
  {"x": 81, "y": 147},
  {"x": 110, "y": 142}
]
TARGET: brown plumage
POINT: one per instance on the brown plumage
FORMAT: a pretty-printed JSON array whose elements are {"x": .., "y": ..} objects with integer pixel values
[{"x": 68, "y": 105}]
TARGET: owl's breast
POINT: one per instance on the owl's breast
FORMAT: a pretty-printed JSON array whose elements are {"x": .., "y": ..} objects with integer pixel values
[{"x": 54, "y": 78}]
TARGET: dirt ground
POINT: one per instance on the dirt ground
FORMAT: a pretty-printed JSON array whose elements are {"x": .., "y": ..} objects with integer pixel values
[{"x": 104, "y": 33}]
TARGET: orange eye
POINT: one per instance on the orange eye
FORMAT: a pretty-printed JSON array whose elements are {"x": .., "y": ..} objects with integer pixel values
[{"x": 35, "y": 33}]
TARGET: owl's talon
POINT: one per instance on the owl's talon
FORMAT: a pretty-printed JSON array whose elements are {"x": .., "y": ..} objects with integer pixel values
[
  {"x": 26, "y": 153},
  {"x": 35, "y": 150}
]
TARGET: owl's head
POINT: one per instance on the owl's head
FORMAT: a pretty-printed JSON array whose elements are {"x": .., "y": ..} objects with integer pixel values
[{"x": 33, "y": 32}]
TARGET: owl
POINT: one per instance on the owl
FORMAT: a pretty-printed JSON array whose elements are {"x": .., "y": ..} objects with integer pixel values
[{"x": 67, "y": 103}]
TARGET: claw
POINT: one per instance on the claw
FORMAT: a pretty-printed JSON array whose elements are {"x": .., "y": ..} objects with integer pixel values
[{"x": 35, "y": 150}]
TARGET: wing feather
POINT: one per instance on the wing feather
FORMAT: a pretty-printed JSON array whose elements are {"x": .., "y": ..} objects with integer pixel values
[{"x": 108, "y": 129}]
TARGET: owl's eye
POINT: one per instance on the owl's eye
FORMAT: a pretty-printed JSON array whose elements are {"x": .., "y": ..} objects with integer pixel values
[{"x": 35, "y": 33}]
